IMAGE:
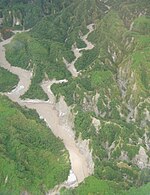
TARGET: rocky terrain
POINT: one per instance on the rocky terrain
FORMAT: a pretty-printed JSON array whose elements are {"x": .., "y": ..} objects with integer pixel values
[{"x": 86, "y": 63}]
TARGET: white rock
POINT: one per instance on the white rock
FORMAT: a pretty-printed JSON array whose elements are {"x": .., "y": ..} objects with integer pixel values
[{"x": 72, "y": 179}]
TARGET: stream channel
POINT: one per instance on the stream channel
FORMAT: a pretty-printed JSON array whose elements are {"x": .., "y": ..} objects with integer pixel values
[{"x": 58, "y": 115}]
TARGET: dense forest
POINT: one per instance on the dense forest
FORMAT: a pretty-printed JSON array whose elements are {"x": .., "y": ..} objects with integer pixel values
[
  {"x": 109, "y": 99},
  {"x": 7, "y": 80},
  {"x": 32, "y": 158}
]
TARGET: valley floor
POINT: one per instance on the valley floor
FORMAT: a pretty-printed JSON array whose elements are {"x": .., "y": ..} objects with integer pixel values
[{"x": 56, "y": 116}]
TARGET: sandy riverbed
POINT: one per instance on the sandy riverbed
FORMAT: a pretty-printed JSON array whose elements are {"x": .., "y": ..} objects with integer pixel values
[
  {"x": 57, "y": 116},
  {"x": 78, "y": 52}
]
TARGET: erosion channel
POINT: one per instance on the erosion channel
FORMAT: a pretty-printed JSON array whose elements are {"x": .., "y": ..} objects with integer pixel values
[{"x": 57, "y": 115}]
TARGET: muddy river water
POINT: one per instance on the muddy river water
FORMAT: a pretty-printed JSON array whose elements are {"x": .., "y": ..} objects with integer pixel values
[{"x": 57, "y": 115}]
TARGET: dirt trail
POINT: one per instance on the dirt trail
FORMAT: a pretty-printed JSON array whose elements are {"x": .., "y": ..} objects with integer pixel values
[
  {"x": 57, "y": 117},
  {"x": 78, "y": 52}
]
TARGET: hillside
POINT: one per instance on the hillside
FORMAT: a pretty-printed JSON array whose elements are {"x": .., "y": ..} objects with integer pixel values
[
  {"x": 108, "y": 88},
  {"x": 32, "y": 158}
]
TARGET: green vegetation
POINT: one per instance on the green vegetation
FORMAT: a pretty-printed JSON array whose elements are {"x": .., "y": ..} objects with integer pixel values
[
  {"x": 101, "y": 78},
  {"x": 32, "y": 158},
  {"x": 34, "y": 55},
  {"x": 113, "y": 86},
  {"x": 5, "y": 33},
  {"x": 7, "y": 80},
  {"x": 116, "y": 48},
  {"x": 142, "y": 25},
  {"x": 82, "y": 124},
  {"x": 93, "y": 186},
  {"x": 144, "y": 190}
]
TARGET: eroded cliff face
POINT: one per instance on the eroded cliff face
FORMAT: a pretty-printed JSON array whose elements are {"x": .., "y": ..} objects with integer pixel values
[
  {"x": 121, "y": 108},
  {"x": 108, "y": 88}
]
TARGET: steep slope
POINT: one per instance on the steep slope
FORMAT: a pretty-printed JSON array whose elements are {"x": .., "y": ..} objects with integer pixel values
[
  {"x": 110, "y": 95},
  {"x": 57, "y": 117},
  {"x": 7, "y": 80},
  {"x": 32, "y": 159}
]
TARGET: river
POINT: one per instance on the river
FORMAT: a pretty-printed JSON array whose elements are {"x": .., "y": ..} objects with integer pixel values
[{"x": 57, "y": 115}]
